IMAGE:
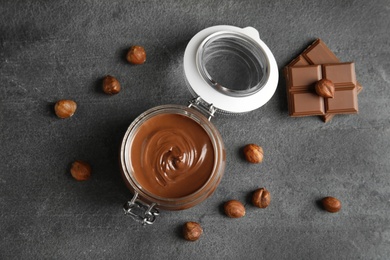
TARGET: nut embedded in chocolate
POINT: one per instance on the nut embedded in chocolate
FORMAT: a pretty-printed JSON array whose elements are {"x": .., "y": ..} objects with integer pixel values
[{"x": 325, "y": 88}]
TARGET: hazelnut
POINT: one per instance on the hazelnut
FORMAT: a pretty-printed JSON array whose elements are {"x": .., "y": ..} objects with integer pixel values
[
  {"x": 65, "y": 108},
  {"x": 261, "y": 198},
  {"x": 192, "y": 231},
  {"x": 234, "y": 209},
  {"x": 111, "y": 85},
  {"x": 331, "y": 204},
  {"x": 253, "y": 153},
  {"x": 80, "y": 170},
  {"x": 136, "y": 55},
  {"x": 325, "y": 88}
]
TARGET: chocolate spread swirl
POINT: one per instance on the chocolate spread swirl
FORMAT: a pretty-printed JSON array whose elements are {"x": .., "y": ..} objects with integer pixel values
[{"x": 172, "y": 156}]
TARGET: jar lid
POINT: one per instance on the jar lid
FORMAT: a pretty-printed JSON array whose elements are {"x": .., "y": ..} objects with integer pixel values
[{"x": 230, "y": 68}]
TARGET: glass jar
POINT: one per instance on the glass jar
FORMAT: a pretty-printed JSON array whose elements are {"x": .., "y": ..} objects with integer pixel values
[
  {"x": 172, "y": 157},
  {"x": 186, "y": 200}
]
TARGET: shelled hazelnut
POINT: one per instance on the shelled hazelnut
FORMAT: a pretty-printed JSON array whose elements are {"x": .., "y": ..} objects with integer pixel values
[
  {"x": 192, "y": 231},
  {"x": 253, "y": 153},
  {"x": 136, "y": 55},
  {"x": 65, "y": 108},
  {"x": 331, "y": 204},
  {"x": 261, "y": 198},
  {"x": 111, "y": 85},
  {"x": 80, "y": 170},
  {"x": 234, "y": 209}
]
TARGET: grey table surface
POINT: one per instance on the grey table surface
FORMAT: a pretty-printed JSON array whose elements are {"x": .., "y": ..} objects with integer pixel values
[{"x": 53, "y": 50}]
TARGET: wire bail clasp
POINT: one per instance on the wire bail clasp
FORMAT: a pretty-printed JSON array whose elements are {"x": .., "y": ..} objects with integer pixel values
[{"x": 140, "y": 211}]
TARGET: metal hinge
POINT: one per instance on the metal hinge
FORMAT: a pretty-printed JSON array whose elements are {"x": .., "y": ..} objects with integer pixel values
[{"x": 204, "y": 107}]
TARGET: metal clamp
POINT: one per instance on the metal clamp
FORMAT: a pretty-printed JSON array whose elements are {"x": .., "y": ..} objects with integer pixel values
[
  {"x": 140, "y": 211},
  {"x": 204, "y": 107}
]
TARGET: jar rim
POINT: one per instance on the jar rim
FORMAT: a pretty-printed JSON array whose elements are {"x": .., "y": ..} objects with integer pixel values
[{"x": 238, "y": 44}]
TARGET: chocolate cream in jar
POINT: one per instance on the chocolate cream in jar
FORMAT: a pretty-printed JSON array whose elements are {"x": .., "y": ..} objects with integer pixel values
[{"x": 172, "y": 157}]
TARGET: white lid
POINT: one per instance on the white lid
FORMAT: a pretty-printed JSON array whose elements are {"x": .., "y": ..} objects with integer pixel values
[{"x": 221, "y": 98}]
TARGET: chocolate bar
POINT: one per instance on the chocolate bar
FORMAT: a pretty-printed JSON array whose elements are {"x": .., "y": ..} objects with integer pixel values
[{"x": 302, "y": 99}]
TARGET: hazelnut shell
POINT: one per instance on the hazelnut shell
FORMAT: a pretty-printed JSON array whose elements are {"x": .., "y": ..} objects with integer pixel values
[
  {"x": 192, "y": 231},
  {"x": 331, "y": 204},
  {"x": 80, "y": 170},
  {"x": 253, "y": 153},
  {"x": 65, "y": 108},
  {"x": 234, "y": 209},
  {"x": 136, "y": 55},
  {"x": 111, "y": 85},
  {"x": 261, "y": 198}
]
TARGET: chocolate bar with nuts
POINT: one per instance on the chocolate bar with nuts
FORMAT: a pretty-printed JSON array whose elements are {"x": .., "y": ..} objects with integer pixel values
[{"x": 314, "y": 63}]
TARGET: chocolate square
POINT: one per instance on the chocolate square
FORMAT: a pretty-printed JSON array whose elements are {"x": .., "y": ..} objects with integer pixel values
[
  {"x": 307, "y": 104},
  {"x": 319, "y": 53},
  {"x": 299, "y": 61},
  {"x": 344, "y": 101},
  {"x": 304, "y": 76},
  {"x": 340, "y": 73}
]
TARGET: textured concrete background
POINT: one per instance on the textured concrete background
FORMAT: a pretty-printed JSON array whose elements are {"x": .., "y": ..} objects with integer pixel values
[{"x": 53, "y": 50}]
